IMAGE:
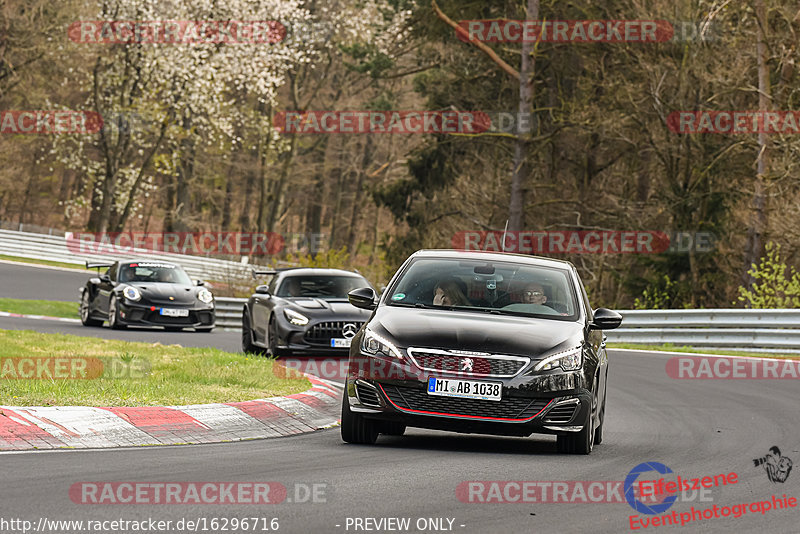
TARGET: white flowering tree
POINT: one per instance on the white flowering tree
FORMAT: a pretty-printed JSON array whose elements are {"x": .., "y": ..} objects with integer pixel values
[{"x": 158, "y": 97}]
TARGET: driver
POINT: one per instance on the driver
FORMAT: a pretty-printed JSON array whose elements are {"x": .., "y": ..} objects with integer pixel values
[{"x": 448, "y": 292}]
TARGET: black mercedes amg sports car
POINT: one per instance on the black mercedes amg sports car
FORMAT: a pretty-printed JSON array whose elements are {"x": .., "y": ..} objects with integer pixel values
[
  {"x": 146, "y": 293},
  {"x": 480, "y": 342},
  {"x": 302, "y": 311}
]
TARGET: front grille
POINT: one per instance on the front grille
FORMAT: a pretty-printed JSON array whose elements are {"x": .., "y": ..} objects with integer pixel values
[
  {"x": 561, "y": 414},
  {"x": 489, "y": 365},
  {"x": 367, "y": 395},
  {"x": 509, "y": 408},
  {"x": 322, "y": 333}
]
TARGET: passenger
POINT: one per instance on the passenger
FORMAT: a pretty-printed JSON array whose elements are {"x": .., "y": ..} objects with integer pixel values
[
  {"x": 533, "y": 293},
  {"x": 450, "y": 293}
]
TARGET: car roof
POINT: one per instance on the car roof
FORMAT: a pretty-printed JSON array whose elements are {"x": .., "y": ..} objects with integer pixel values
[
  {"x": 311, "y": 271},
  {"x": 492, "y": 256}
]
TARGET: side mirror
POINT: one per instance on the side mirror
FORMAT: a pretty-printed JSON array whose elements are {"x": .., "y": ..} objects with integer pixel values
[
  {"x": 262, "y": 290},
  {"x": 363, "y": 297},
  {"x": 605, "y": 319},
  {"x": 105, "y": 278},
  {"x": 199, "y": 283}
]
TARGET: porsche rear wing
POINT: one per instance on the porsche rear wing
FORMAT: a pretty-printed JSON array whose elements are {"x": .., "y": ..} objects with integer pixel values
[
  {"x": 98, "y": 264},
  {"x": 270, "y": 272}
]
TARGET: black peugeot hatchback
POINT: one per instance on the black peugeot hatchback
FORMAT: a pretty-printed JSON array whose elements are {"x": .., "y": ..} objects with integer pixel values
[{"x": 479, "y": 342}]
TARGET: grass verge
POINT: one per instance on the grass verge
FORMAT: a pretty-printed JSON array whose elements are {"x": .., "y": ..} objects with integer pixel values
[
  {"x": 20, "y": 259},
  {"x": 135, "y": 374},
  {"x": 40, "y": 307},
  {"x": 668, "y": 347}
]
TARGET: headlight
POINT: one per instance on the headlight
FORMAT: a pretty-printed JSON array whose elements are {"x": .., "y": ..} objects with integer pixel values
[
  {"x": 204, "y": 295},
  {"x": 372, "y": 343},
  {"x": 569, "y": 360},
  {"x": 295, "y": 318},
  {"x": 131, "y": 293}
]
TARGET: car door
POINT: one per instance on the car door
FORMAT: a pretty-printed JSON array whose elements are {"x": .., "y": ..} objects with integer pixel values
[
  {"x": 596, "y": 343},
  {"x": 262, "y": 306},
  {"x": 105, "y": 288}
]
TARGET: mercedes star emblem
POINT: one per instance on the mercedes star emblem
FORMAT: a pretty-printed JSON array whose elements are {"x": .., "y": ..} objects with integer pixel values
[{"x": 349, "y": 330}]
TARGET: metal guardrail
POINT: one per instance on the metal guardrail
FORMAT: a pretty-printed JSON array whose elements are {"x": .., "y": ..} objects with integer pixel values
[
  {"x": 229, "y": 312},
  {"x": 748, "y": 330},
  {"x": 765, "y": 330},
  {"x": 54, "y": 248}
]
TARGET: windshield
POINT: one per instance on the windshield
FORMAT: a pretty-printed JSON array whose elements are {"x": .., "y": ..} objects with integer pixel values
[
  {"x": 154, "y": 272},
  {"x": 324, "y": 287},
  {"x": 495, "y": 287}
]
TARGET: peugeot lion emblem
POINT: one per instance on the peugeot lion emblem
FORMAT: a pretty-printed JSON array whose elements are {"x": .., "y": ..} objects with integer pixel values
[
  {"x": 349, "y": 330},
  {"x": 466, "y": 364}
]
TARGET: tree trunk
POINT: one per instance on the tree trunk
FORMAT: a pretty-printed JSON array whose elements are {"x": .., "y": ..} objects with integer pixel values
[
  {"x": 355, "y": 214},
  {"x": 758, "y": 221},
  {"x": 519, "y": 175}
]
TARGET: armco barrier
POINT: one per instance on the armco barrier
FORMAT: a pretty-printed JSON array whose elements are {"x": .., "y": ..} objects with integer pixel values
[
  {"x": 54, "y": 248},
  {"x": 229, "y": 312},
  {"x": 766, "y": 330}
]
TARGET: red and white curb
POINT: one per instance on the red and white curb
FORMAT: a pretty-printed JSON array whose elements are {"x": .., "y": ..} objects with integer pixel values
[{"x": 81, "y": 427}]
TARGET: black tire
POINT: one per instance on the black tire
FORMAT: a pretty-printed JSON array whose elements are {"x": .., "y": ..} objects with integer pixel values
[
  {"x": 272, "y": 336},
  {"x": 577, "y": 443},
  {"x": 391, "y": 428},
  {"x": 247, "y": 337},
  {"x": 204, "y": 329},
  {"x": 598, "y": 433},
  {"x": 113, "y": 314},
  {"x": 83, "y": 311},
  {"x": 356, "y": 428}
]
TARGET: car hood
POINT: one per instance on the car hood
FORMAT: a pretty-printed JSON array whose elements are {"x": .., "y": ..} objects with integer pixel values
[
  {"x": 314, "y": 307},
  {"x": 483, "y": 332},
  {"x": 160, "y": 292}
]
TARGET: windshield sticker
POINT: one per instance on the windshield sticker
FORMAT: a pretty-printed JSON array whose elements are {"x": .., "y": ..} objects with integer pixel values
[
  {"x": 150, "y": 264},
  {"x": 398, "y": 296}
]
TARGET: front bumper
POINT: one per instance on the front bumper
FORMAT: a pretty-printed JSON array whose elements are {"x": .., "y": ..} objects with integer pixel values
[
  {"x": 132, "y": 313},
  {"x": 295, "y": 338},
  {"x": 553, "y": 402}
]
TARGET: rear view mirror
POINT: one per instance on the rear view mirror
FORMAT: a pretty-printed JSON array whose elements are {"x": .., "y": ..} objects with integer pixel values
[
  {"x": 199, "y": 283},
  {"x": 605, "y": 319},
  {"x": 105, "y": 278},
  {"x": 363, "y": 297}
]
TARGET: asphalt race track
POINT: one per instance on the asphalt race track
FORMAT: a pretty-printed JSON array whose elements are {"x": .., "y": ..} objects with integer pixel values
[
  {"x": 40, "y": 282},
  {"x": 695, "y": 427}
]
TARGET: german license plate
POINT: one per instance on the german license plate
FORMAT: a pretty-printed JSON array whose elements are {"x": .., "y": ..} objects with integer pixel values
[
  {"x": 174, "y": 312},
  {"x": 465, "y": 389},
  {"x": 340, "y": 342}
]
